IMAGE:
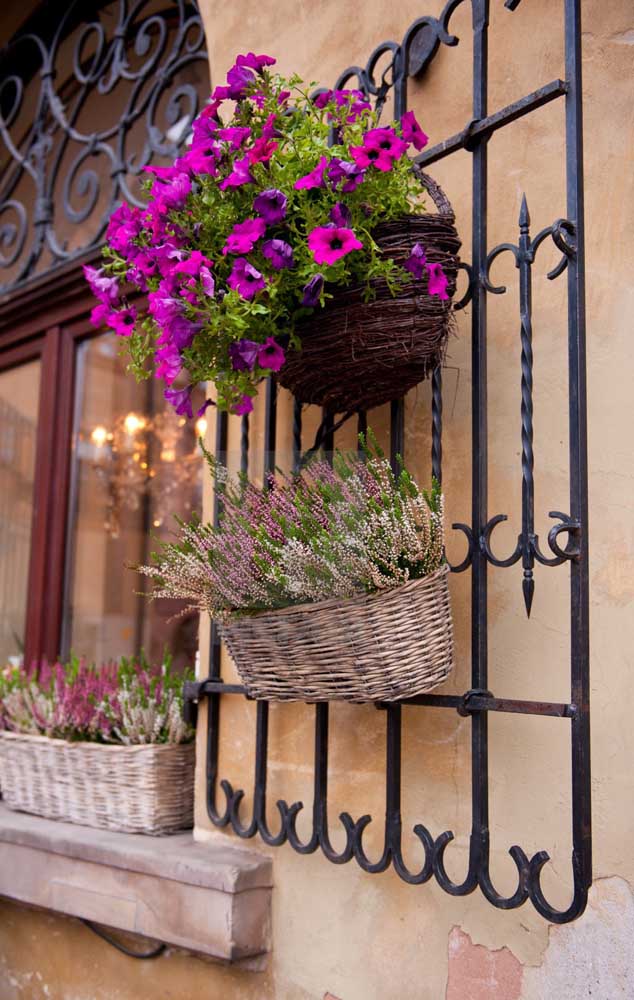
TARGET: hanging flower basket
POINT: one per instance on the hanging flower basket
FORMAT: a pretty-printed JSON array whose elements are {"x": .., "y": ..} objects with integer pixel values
[
  {"x": 132, "y": 789},
  {"x": 358, "y": 353},
  {"x": 374, "y": 647}
]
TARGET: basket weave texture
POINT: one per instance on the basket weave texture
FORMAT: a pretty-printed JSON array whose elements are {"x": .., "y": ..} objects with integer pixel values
[
  {"x": 356, "y": 354},
  {"x": 374, "y": 647},
  {"x": 135, "y": 789}
]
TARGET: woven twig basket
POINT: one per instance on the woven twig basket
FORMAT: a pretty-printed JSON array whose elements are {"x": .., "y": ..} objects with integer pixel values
[
  {"x": 377, "y": 647},
  {"x": 356, "y": 354},
  {"x": 136, "y": 789}
]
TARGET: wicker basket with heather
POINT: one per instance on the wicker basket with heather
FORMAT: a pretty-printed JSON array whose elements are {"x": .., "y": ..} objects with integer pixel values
[
  {"x": 328, "y": 585},
  {"x": 292, "y": 237},
  {"x": 99, "y": 746}
]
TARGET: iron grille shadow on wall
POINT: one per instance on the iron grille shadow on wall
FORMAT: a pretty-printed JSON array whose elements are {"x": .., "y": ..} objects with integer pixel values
[
  {"x": 567, "y": 542},
  {"x": 87, "y": 100}
]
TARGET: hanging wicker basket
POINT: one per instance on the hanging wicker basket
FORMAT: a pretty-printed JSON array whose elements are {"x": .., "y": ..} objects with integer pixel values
[
  {"x": 133, "y": 789},
  {"x": 376, "y": 647},
  {"x": 356, "y": 354}
]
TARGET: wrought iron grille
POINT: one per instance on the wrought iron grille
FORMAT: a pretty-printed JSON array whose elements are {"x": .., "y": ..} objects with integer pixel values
[
  {"x": 103, "y": 97},
  {"x": 410, "y": 59}
]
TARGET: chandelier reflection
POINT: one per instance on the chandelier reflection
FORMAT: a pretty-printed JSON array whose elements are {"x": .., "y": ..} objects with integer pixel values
[{"x": 147, "y": 463}]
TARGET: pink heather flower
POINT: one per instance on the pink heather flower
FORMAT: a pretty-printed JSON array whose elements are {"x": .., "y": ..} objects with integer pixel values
[
  {"x": 271, "y": 355},
  {"x": 312, "y": 291},
  {"x": 412, "y": 132},
  {"x": 271, "y": 205},
  {"x": 340, "y": 214},
  {"x": 239, "y": 175},
  {"x": 437, "y": 281},
  {"x": 330, "y": 243},
  {"x": 235, "y": 136},
  {"x": 122, "y": 321},
  {"x": 181, "y": 400},
  {"x": 244, "y": 236},
  {"x": 279, "y": 253},
  {"x": 245, "y": 279},
  {"x": 416, "y": 261},
  {"x": 244, "y": 406},
  {"x": 315, "y": 179},
  {"x": 243, "y": 355}
]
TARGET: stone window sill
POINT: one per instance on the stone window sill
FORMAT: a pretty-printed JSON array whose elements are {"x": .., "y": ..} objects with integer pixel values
[{"x": 210, "y": 898}]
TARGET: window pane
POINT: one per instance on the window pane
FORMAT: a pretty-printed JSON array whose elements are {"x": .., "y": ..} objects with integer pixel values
[
  {"x": 136, "y": 464},
  {"x": 19, "y": 395}
]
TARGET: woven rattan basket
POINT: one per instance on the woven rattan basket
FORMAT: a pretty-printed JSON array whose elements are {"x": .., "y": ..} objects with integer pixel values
[
  {"x": 356, "y": 354},
  {"x": 135, "y": 789},
  {"x": 377, "y": 647}
]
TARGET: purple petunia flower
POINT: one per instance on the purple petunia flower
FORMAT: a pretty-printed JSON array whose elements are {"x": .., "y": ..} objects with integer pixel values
[
  {"x": 416, "y": 261},
  {"x": 99, "y": 315},
  {"x": 245, "y": 278},
  {"x": 169, "y": 363},
  {"x": 412, "y": 132},
  {"x": 244, "y": 236},
  {"x": 271, "y": 205},
  {"x": 181, "y": 332},
  {"x": 437, "y": 281},
  {"x": 181, "y": 400},
  {"x": 343, "y": 170},
  {"x": 279, "y": 253},
  {"x": 271, "y": 355},
  {"x": 315, "y": 179},
  {"x": 340, "y": 214},
  {"x": 255, "y": 62},
  {"x": 330, "y": 243},
  {"x": 122, "y": 321},
  {"x": 235, "y": 135},
  {"x": 239, "y": 175},
  {"x": 243, "y": 355},
  {"x": 312, "y": 291},
  {"x": 244, "y": 406},
  {"x": 321, "y": 100},
  {"x": 207, "y": 281},
  {"x": 104, "y": 288}
]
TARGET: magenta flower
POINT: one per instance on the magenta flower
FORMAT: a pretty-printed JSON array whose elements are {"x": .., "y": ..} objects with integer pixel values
[
  {"x": 255, "y": 62},
  {"x": 312, "y": 291},
  {"x": 365, "y": 157},
  {"x": 192, "y": 263},
  {"x": 262, "y": 150},
  {"x": 244, "y": 236},
  {"x": 271, "y": 205},
  {"x": 315, "y": 179},
  {"x": 244, "y": 406},
  {"x": 340, "y": 214},
  {"x": 243, "y": 355},
  {"x": 322, "y": 99},
  {"x": 171, "y": 196},
  {"x": 245, "y": 279},
  {"x": 239, "y": 175},
  {"x": 271, "y": 355},
  {"x": 234, "y": 136},
  {"x": 279, "y": 253},
  {"x": 180, "y": 331},
  {"x": 122, "y": 321},
  {"x": 104, "y": 288},
  {"x": 412, "y": 132},
  {"x": 330, "y": 243},
  {"x": 343, "y": 170},
  {"x": 207, "y": 281},
  {"x": 199, "y": 161},
  {"x": 386, "y": 140},
  {"x": 169, "y": 363},
  {"x": 99, "y": 315},
  {"x": 437, "y": 281},
  {"x": 181, "y": 400},
  {"x": 416, "y": 261}
]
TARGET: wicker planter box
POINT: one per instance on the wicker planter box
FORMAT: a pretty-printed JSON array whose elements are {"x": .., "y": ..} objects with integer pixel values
[
  {"x": 357, "y": 354},
  {"x": 136, "y": 789},
  {"x": 377, "y": 647}
]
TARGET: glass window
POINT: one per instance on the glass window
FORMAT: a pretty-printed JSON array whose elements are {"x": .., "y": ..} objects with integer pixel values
[
  {"x": 136, "y": 464},
  {"x": 19, "y": 395}
]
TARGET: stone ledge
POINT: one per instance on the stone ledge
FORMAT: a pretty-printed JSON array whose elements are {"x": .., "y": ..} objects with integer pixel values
[{"x": 209, "y": 898}]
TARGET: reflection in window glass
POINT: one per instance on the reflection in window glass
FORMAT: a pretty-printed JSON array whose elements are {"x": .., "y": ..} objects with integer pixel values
[
  {"x": 19, "y": 394},
  {"x": 136, "y": 464}
]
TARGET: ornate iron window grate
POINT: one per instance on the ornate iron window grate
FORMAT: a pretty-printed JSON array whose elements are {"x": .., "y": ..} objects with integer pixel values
[
  {"x": 411, "y": 58},
  {"x": 137, "y": 71}
]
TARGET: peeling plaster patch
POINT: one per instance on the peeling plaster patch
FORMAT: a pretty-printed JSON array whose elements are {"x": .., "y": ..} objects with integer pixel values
[
  {"x": 591, "y": 957},
  {"x": 623, "y": 37},
  {"x": 477, "y": 973}
]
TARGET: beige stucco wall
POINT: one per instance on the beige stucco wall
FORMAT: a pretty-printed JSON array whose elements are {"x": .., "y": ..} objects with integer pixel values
[{"x": 336, "y": 929}]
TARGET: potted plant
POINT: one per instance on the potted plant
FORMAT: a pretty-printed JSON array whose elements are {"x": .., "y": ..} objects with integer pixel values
[
  {"x": 100, "y": 746},
  {"x": 292, "y": 237},
  {"x": 328, "y": 584}
]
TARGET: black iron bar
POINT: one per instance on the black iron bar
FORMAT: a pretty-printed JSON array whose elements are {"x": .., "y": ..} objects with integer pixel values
[
  {"x": 213, "y": 708},
  {"x": 436, "y": 423},
  {"x": 482, "y": 127}
]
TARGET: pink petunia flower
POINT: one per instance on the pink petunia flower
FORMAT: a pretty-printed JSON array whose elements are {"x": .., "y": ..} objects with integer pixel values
[
  {"x": 315, "y": 179},
  {"x": 244, "y": 236},
  {"x": 244, "y": 406},
  {"x": 122, "y": 321},
  {"x": 437, "y": 281},
  {"x": 262, "y": 150},
  {"x": 365, "y": 157},
  {"x": 235, "y": 136},
  {"x": 104, "y": 288},
  {"x": 329, "y": 244},
  {"x": 245, "y": 278},
  {"x": 239, "y": 175},
  {"x": 412, "y": 132},
  {"x": 271, "y": 355}
]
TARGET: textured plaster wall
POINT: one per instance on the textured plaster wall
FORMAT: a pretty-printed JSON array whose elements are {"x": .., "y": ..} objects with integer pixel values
[{"x": 336, "y": 929}]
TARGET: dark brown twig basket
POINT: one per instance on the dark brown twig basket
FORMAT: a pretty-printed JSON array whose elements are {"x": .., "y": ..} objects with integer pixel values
[
  {"x": 374, "y": 647},
  {"x": 356, "y": 354}
]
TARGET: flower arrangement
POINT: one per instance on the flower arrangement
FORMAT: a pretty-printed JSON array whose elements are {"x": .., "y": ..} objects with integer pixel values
[
  {"x": 129, "y": 702},
  {"x": 268, "y": 212},
  {"x": 329, "y": 531}
]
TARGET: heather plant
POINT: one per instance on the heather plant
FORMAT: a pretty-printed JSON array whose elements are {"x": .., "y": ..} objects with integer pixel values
[
  {"x": 331, "y": 530},
  {"x": 129, "y": 701},
  {"x": 270, "y": 210}
]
